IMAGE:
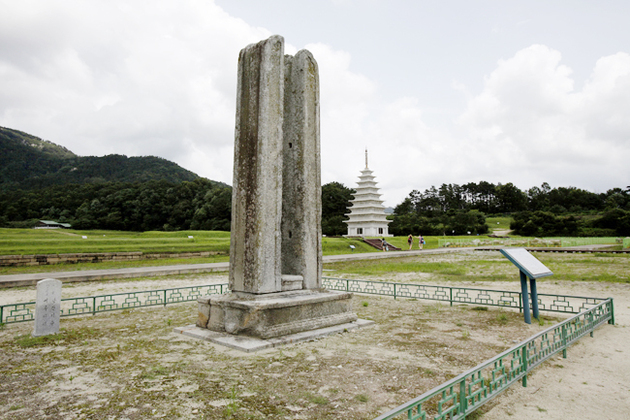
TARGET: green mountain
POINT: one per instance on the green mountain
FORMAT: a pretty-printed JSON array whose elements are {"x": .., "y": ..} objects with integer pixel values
[{"x": 28, "y": 162}]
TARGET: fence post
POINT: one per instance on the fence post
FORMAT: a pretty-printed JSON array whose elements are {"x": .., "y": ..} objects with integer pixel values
[
  {"x": 590, "y": 319},
  {"x": 463, "y": 403},
  {"x": 524, "y": 363},
  {"x": 94, "y": 305},
  {"x": 1, "y": 314},
  {"x": 564, "y": 341},
  {"x": 347, "y": 285},
  {"x": 610, "y": 321},
  {"x": 394, "y": 290},
  {"x": 451, "y": 295},
  {"x": 164, "y": 297}
]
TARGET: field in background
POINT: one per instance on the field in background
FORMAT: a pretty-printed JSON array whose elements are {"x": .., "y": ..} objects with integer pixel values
[
  {"x": 485, "y": 266},
  {"x": 64, "y": 241},
  {"x": 57, "y": 241},
  {"x": 498, "y": 223}
]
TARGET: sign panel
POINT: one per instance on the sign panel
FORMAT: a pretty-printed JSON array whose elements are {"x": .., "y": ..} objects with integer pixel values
[{"x": 526, "y": 262}]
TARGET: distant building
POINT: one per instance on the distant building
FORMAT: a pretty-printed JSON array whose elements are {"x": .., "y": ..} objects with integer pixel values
[
  {"x": 49, "y": 224},
  {"x": 367, "y": 214}
]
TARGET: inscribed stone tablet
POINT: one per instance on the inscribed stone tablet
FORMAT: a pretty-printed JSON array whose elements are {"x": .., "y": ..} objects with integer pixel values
[
  {"x": 47, "y": 307},
  {"x": 526, "y": 262}
]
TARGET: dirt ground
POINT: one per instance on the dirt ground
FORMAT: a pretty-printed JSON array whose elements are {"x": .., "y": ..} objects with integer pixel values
[{"x": 129, "y": 364}]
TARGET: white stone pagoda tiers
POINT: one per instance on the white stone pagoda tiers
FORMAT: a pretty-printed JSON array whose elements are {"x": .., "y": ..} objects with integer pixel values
[{"x": 367, "y": 213}]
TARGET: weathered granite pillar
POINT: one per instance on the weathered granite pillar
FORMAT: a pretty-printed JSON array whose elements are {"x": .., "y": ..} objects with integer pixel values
[
  {"x": 275, "y": 250},
  {"x": 302, "y": 194},
  {"x": 257, "y": 191}
]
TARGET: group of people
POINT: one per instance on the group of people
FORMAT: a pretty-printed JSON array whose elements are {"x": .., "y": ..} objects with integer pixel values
[
  {"x": 385, "y": 245},
  {"x": 410, "y": 241}
]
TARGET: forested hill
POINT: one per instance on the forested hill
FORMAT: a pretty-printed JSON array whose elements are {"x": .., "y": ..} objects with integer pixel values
[{"x": 28, "y": 162}]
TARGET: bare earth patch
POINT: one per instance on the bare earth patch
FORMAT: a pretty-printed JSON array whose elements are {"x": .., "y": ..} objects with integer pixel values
[{"x": 129, "y": 364}]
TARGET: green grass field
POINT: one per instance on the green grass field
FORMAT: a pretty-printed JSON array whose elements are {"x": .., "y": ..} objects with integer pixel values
[
  {"x": 49, "y": 241},
  {"x": 488, "y": 266},
  {"x": 498, "y": 223},
  {"x": 55, "y": 241}
]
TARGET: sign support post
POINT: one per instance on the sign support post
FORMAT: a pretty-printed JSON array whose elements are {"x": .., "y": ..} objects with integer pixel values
[{"x": 529, "y": 268}]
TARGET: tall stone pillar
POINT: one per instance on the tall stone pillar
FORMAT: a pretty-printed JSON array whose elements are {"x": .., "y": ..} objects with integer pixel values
[
  {"x": 257, "y": 191},
  {"x": 302, "y": 193},
  {"x": 275, "y": 250}
]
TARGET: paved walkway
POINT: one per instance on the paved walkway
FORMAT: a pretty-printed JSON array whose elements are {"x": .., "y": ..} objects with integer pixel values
[{"x": 18, "y": 280}]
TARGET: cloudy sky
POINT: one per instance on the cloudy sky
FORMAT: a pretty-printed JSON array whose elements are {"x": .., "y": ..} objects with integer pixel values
[{"x": 439, "y": 91}]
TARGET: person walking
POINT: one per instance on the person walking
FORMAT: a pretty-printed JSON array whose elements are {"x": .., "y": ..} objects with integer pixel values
[
  {"x": 384, "y": 245},
  {"x": 420, "y": 242},
  {"x": 410, "y": 241}
]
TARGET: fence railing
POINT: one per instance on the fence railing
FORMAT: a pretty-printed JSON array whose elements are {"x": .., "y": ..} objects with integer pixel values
[
  {"x": 590, "y": 241},
  {"x": 20, "y": 312},
  {"x": 471, "y": 296},
  {"x": 467, "y": 392},
  {"x": 527, "y": 242},
  {"x": 469, "y": 242}
]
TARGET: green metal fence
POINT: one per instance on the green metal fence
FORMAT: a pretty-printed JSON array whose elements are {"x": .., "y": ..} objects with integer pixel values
[
  {"x": 589, "y": 241},
  {"x": 467, "y": 392},
  {"x": 474, "y": 242},
  {"x": 20, "y": 312},
  {"x": 626, "y": 243},
  {"x": 471, "y": 296},
  {"x": 526, "y": 242}
]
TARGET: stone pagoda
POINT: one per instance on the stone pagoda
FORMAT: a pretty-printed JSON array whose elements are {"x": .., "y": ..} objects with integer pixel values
[{"x": 367, "y": 213}]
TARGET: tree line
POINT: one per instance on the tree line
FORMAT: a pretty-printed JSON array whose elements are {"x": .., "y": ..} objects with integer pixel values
[
  {"x": 202, "y": 204},
  {"x": 538, "y": 211},
  {"x": 154, "y": 205}
]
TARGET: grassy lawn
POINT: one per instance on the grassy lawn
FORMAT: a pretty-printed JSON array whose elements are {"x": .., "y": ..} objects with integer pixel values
[
  {"x": 490, "y": 267},
  {"x": 498, "y": 223},
  {"x": 45, "y": 241},
  {"x": 485, "y": 266}
]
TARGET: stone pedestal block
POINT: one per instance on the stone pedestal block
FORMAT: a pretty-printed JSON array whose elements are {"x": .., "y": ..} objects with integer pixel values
[{"x": 276, "y": 314}]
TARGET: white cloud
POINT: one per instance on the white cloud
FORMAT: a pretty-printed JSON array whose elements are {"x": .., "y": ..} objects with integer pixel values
[
  {"x": 134, "y": 78},
  {"x": 534, "y": 127},
  {"x": 159, "y": 78}
]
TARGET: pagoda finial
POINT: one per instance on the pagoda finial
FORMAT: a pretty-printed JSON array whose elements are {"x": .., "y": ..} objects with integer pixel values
[{"x": 366, "y": 161}]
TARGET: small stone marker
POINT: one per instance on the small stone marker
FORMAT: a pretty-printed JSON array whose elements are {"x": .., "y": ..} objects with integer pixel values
[{"x": 47, "y": 307}]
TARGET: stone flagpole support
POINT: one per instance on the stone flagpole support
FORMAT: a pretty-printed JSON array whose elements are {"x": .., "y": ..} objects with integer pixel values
[{"x": 275, "y": 249}]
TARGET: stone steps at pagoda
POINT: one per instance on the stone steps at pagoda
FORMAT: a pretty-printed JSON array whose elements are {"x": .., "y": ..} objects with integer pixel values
[{"x": 378, "y": 244}]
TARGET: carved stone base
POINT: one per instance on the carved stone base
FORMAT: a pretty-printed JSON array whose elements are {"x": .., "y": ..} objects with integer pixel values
[{"x": 275, "y": 314}]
